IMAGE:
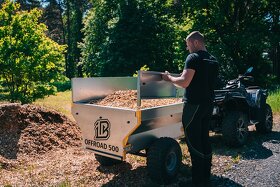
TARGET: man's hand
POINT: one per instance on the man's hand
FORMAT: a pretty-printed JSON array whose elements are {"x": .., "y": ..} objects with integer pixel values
[
  {"x": 166, "y": 76},
  {"x": 183, "y": 81}
]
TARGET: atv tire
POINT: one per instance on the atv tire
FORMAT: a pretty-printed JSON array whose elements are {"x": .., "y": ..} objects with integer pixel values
[
  {"x": 164, "y": 160},
  {"x": 106, "y": 161},
  {"x": 235, "y": 128},
  {"x": 266, "y": 120}
]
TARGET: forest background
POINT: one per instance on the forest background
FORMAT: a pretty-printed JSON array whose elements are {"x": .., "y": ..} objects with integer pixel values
[{"x": 45, "y": 43}]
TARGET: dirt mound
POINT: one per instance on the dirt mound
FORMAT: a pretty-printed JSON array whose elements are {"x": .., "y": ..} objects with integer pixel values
[
  {"x": 28, "y": 130},
  {"x": 128, "y": 99}
]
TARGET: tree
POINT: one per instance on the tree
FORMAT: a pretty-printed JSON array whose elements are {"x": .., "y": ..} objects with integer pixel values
[
  {"x": 52, "y": 17},
  {"x": 29, "y": 60},
  {"x": 29, "y": 4},
  {"x": 237, "y": 33},
  {"x": 122, "y": 36},
  {"x": 74, "y": 11},
  {"x": 273, "y": 19}
]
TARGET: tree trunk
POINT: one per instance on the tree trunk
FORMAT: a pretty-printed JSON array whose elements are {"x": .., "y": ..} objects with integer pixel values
[
  {"x": 275, "y": 55},
  {"x": 68, "y": 70},
  {"x": 276, "y": 60}
]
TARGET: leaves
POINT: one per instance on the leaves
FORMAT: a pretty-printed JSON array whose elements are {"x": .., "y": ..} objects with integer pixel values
[
  {"x": 122, "y": 36},
  {"x": 236, "y": 33},
  {"x": 29, "y": 60}
]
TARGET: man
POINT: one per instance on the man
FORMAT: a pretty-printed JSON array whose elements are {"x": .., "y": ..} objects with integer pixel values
[{"x": 198, "y": 79}]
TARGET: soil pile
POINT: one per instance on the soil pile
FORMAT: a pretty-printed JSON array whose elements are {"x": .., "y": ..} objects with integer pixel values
[
  {"x": 28, "y": 130},
  {"x": 128, "y": 99}
]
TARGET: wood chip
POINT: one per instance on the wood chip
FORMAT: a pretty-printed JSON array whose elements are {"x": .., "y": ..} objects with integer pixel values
[{"x": 128, "y": 99}]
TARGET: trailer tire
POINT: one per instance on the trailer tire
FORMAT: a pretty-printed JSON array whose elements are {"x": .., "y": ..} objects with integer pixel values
[
  {"x": 164, "y": 160},
  {"x": 266, "y": 120},
  {"x": 235, "y": 128},
  {"x": 106, "y": 161}
]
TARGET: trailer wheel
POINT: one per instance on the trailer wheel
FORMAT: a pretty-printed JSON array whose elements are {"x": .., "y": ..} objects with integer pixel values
[
  {"x": 266, "y": 120},
  {"x": 106, "y": 161},
  {"x": 235, "y": 128},
  {"x": 164, "y": 159}
]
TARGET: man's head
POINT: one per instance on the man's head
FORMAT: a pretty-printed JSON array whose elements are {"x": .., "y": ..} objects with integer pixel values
[{"x": 195, "y": 42}]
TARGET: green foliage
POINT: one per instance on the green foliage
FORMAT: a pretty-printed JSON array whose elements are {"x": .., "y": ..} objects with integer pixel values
[
  {"x": 2, "y": 88},
  {"x": 143, "y": 68},
  {"x": 122, "y": 36},
  {"x": 52, "y": 17},
  {"x": 28, "y": 4},
  {"x": 29, "y": 60},
  {"x": 74, "y": 16},
  {"x": 62, "y": 84},
  {"x": 237, "y": 34}
]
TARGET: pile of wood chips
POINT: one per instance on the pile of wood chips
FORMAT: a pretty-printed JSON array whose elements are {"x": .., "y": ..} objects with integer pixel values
[
  {"x": 29, "y": 130},
  {"x": 128, "y": 99}
]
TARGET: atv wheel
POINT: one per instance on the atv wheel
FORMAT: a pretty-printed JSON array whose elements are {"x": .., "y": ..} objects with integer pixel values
[
  {"x": 266, "y": 120},
  {"x": 106, "y": 161},
  {"x": 235, "y": 128},
  {"x": 164, "y": 160}
]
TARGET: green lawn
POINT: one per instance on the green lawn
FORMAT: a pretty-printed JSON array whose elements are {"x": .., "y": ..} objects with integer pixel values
[
  {"x": 61, "y": 102},
  {"x": 274, "y": 101}
]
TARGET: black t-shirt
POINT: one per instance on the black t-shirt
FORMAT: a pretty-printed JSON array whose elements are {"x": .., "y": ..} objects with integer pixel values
[{"x": 201, "y": 88}]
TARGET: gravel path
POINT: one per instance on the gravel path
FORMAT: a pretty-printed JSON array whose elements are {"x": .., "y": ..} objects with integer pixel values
[{"x": 259, "y": 165}]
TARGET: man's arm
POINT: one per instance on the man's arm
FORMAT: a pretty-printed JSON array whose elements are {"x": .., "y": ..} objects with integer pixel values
[{"x": 183, "y": 81}]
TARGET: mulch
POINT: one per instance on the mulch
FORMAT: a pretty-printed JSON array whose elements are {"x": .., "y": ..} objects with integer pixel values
[
  {"x": 28, "y": 130},
  {"x": 41, "y": 147},
  {"x": 128, "y": 99}
]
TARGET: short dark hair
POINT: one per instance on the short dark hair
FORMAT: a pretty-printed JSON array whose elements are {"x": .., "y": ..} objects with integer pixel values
[{"x": 195, "y": 35}]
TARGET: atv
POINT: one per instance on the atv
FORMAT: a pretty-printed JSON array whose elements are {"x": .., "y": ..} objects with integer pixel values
[{"x": 238, "y": 105}]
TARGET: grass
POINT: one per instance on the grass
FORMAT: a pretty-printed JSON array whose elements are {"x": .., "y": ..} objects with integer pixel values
[
  {"x": 274, "y": 101},
  {"x": 65, "y": 183},
  {"x": 61, "y": 102},
  {"x": 236, "y": 159}
]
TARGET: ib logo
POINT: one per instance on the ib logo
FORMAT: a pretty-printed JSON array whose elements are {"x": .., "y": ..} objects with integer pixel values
[{"x": 102, "y": 129}]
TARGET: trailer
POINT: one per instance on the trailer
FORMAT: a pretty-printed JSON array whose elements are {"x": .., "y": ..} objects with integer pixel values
[{"x": 113, "y": 132}]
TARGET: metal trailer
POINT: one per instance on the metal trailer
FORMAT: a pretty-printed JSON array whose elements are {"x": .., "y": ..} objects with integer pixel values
[{"x": 112, "y": 132}]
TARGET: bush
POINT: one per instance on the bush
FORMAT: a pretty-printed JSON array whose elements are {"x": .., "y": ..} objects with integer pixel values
[
  {"x": 62, "y": 86},
  {"x": 29, "y": 60}
]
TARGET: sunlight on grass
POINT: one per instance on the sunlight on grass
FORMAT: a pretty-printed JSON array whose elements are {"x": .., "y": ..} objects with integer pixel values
[
  {"x": 60, "y": 102},
  {"x": 274, "y": 101}
]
